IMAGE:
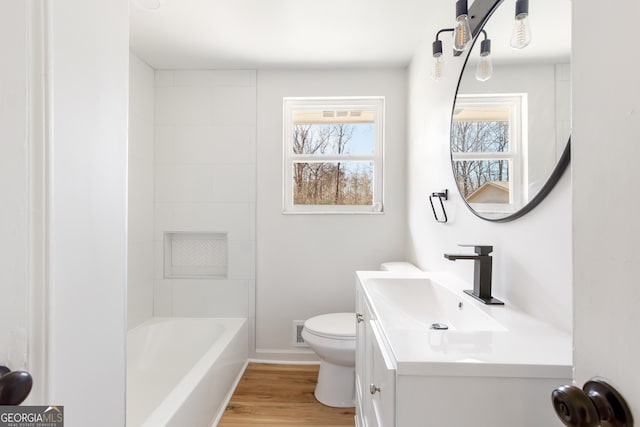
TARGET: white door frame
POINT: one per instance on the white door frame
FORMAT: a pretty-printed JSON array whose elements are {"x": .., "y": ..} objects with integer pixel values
[{"x": 38, "y": 171}]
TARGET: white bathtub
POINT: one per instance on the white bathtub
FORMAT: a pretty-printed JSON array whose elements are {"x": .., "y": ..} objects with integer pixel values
[{"x": 181, "y": 370}]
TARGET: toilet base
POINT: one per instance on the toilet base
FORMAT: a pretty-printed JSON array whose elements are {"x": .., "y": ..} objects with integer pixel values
[{"x": 336, "y": 385}]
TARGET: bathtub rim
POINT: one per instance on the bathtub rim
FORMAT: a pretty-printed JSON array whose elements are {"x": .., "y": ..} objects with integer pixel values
[{"x": 163, "y": 413}]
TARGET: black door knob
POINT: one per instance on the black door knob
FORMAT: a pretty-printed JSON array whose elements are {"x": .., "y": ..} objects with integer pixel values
[
  {"x": 611, "y": 406},
  {"x": 4, "y": 370},
  {"x": 574, "y": 408},
  {"x": 15, "y": 387},
  {"x": 597, "y": 404}
]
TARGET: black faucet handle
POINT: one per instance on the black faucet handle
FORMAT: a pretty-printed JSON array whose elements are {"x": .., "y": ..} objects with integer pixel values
[{"x": 480, "y": 249}]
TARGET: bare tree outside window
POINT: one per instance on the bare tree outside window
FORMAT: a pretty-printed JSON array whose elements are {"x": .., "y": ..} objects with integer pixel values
[
  {"x": 333, "y": 155},
  {"x": 489, "y": 151},
  {"x": 330, "y": 183},
  {"x": 479, "y": 137}
]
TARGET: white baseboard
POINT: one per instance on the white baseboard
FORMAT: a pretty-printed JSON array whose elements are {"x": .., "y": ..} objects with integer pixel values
[
  {"x": 265, "y": 355},
  {"x": 285, "y": 362}
]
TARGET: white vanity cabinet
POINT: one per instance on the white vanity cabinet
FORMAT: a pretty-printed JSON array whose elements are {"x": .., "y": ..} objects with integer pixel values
[
  {"x": 375, "y": 372},
  {"x": 408, "y": 375}
]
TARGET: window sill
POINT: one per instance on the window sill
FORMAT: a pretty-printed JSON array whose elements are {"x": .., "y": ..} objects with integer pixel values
[{"x": 333, "y": 213}]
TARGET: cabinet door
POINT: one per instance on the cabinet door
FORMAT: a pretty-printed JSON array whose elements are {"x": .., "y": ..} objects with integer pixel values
[
  {"x": 383, "y": 379},
  {"x": 361, "y": 380}
]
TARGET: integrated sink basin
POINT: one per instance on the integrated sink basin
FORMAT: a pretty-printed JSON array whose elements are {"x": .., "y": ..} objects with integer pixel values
[
  {"x": 425, "y": 303},
  {"x": 433, "y": 328},
  {"x": 428, "y": 354}
]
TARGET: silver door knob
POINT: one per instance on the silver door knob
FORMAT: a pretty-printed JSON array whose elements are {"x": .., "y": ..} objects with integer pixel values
[
  {"x": 359, "y": 318},
  {"x": 373, "y": 389}
]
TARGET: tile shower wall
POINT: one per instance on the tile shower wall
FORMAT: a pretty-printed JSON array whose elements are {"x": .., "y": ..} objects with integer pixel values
[
  {"x": 204, "y": 181},
  {"x": 140, "y": 181}
]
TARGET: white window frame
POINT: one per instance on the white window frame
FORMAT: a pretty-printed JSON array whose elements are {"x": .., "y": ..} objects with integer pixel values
[
  {"x": 373, "y": 103},
  {"x": 517, "y": 154}
]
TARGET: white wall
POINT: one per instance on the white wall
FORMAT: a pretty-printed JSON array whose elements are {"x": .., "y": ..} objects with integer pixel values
[
  {"x": 205, "y": 182},
  {"x": 89, "y": 73},
  {"x": 140, "y": 184},
  {"x": 532, "y": 255},
  {"x": 306, "y": 263},
  {"x": 606, "y": 252},
  {"x": 13, "y": 182}
]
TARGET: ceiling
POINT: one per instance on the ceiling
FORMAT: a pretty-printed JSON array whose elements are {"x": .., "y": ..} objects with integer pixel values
[
  {"x": 250, "y": 34},
  {"x": 235, "y": 34}
]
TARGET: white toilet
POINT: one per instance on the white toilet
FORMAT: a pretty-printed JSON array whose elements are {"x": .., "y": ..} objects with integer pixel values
[{"x": 333, "y": 338}]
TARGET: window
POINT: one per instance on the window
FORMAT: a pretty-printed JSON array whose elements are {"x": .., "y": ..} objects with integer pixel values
[
  {"x": 333, "y": 155},
  {"x": 488, "y": 151}
]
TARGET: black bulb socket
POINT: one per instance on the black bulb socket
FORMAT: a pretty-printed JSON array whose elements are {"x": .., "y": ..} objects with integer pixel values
[
  {"x": 461, "y": 8},
  {"x": 522, "y": 7},
  {"x": 437, "y": 48},
  {"x": 485, "y": 47}
]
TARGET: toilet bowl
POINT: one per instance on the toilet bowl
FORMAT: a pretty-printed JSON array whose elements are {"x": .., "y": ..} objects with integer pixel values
[{"x": 333, "y": 338}]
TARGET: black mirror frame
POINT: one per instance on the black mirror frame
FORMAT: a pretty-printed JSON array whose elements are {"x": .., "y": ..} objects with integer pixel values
[{"x": 479, "y": 14}]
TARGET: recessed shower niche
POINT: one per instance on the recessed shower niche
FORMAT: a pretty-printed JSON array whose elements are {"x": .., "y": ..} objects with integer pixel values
[{"x": 193, "y": 255}]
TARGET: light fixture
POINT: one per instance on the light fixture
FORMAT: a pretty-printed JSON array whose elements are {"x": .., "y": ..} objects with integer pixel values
[
  {"x": 438, "y": 62},
  {"x": 484, "y": 71},
  {"x": 462, "y": 33},
  {"x": 485, "y": 66},
  {"x": 521, "y": 35}
]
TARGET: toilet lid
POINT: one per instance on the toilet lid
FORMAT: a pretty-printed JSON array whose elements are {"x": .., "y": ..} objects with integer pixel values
[{"x": 334, "y": 325}]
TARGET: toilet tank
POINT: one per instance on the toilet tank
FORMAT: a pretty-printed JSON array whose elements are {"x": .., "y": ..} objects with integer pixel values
[{"x": 399, "y": 266}]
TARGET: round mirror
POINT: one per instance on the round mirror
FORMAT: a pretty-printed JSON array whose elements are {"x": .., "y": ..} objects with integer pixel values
[{"x": 511, "y": 121}]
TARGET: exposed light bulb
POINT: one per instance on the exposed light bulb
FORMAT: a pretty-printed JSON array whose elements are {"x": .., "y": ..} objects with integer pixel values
[
  {"x": 438, "y": 68},
  {"x": 438, "y": 62},
  {"x": 521, "y": 35},
  {"x": 462, "y": 31},
  {"x": 484, "y": 71},
  {"x": 485, "y": 68}
]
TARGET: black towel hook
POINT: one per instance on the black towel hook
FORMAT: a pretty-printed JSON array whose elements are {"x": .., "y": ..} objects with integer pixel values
[{"x": 444, "y": 194}]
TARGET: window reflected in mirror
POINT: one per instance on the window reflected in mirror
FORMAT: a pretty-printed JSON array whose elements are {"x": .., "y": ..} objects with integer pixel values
[
  {"x": 526, "y": 150},
  {"x": 488, "y": 151}
]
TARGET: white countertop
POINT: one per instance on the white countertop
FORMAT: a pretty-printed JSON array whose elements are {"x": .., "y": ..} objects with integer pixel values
[{"x": 515, "y": 345}]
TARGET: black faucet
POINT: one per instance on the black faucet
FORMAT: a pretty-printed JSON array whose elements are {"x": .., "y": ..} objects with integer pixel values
[{"x": 481, "y": 273}]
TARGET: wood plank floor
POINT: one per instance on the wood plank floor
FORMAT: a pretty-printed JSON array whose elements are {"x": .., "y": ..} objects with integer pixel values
[{"x": 281, "y": 395}]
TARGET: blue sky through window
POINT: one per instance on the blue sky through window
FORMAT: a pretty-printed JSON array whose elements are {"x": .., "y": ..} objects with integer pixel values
[{"x": 361, "y": 142}]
